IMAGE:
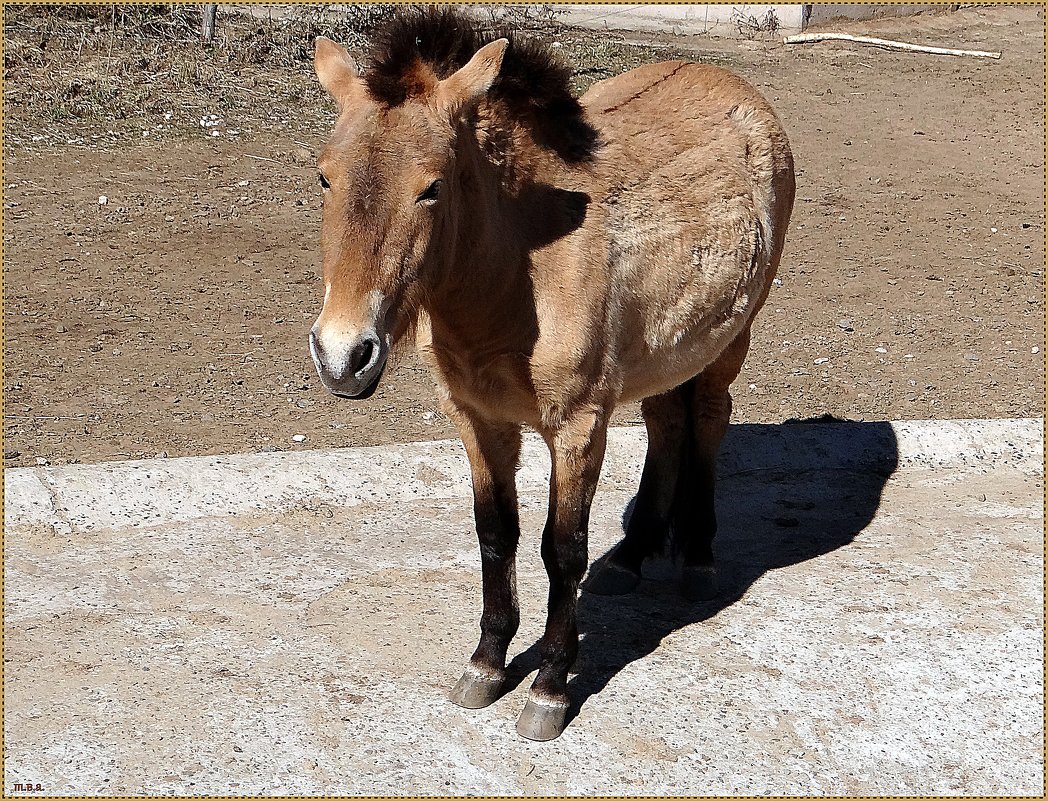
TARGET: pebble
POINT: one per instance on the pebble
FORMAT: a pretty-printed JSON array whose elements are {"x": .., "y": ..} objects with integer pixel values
[
  {"x": 102, "y": 200},
  {"x": 845, "y": 325},
  {"x": 882, "y": 350},
  {"x": 1035, "y": 350},
  {"x": 821, "y": 360},
  {"x": 972, "y": 357},
  {"x": 299, "y": 438}
]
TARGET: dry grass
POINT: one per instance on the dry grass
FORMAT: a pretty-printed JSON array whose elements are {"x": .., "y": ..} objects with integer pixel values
[{"x": 101, "y": 75}]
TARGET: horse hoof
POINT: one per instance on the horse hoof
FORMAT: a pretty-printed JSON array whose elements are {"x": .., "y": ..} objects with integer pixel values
[
  {"x": 613, "y": 579},
  {"x": 542, "y": 720},
  {"x": 699, "y": 583},
  {"x": 474, "y": 691}
]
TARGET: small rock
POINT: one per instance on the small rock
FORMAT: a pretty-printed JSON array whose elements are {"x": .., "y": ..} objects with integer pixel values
[
  {"x": 993, "y": 230},
  {"x": 821, "y": 360},
  {"x": 299, "y": 438},
  {"x": 1035, "y": 350},
  {"x": 881, "y": 350},
  {"x": 102, "y": 200},
  {"x": 61, "y": 329},
  {"x": 845, "y": 325},
  {"x": 301, "y": 155},
  {"x": 971, "y": 357},
  {"x": 12, "y": 454}
]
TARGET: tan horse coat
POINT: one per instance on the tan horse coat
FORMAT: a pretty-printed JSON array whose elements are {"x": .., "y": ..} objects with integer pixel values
[{"x": 545, "y": 290}]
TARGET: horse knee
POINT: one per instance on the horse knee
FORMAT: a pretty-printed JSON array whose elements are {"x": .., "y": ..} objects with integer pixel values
[{"x": 565, "y": 561}]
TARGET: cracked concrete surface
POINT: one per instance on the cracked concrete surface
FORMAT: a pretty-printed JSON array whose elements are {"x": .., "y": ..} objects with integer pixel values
[{"x": 292, "y": 623}]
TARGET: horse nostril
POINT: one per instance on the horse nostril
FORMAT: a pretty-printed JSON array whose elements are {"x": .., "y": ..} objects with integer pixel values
[
  {"x": 363, "y": 355},
  {"x": 316, "y": 350}
]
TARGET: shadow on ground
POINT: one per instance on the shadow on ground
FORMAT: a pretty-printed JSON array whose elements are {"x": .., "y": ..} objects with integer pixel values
[{"x": 783, "y": 497}]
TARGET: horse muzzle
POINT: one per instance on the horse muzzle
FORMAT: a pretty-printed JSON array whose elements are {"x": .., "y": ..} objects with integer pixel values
[{"x": 349, "y": 367}]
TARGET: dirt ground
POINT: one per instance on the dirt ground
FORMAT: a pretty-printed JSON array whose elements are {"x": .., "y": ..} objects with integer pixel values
[{"x": 172, "y": 319}]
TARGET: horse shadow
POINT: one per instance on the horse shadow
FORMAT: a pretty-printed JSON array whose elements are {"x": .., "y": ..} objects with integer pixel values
[{"x": 786, "y": 494}]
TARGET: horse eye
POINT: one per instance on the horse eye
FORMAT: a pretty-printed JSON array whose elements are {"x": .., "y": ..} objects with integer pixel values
[
  {"x": 431, "y": 193},
  {"x": 324, "y": 182}
]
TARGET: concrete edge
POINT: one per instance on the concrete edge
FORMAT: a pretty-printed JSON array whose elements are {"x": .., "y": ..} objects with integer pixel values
[{"x": 156, "y": 492}]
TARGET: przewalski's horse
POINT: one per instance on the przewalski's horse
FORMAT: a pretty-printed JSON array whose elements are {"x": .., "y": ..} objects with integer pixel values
[{"x": 555, "y": 257}]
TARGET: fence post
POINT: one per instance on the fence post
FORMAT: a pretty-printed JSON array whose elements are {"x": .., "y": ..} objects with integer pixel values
[{"x": 208, "y": 25}]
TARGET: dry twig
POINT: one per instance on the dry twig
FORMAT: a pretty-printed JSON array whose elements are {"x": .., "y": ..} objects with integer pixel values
[{"x": 802, "y": 38}]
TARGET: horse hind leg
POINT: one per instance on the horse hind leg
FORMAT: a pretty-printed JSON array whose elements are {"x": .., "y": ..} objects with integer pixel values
[
  {"x": 693, "y": 515},
  {"x": 667, "y": 419}
]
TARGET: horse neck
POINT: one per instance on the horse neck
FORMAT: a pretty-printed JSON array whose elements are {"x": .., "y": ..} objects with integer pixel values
[{"x": 484, "y": 279}]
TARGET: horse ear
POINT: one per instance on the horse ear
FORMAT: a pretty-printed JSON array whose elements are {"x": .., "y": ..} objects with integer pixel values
[
  {"x": 337, "y": 72},
  {"x": 472, "y": 81}
]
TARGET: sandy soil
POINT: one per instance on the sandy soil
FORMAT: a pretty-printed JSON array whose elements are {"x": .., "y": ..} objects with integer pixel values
[{"x": 172, "y": 320}]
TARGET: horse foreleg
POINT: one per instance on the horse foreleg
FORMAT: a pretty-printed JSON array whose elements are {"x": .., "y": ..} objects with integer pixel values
[
  {"x": 577, "y": 452},
  {"x": 493, "y": 452}
]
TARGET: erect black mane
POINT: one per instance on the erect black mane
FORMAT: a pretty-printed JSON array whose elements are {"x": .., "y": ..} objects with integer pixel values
[{"x": 533, "y": 84}]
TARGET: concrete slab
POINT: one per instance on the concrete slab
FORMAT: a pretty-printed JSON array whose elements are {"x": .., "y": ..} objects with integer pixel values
[{"x": 291, "y": 623}]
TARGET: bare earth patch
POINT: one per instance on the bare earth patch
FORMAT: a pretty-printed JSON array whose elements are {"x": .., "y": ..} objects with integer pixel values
[{"x": 172, "y": 318}]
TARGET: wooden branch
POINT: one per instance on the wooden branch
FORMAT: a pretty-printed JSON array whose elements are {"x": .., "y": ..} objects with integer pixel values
[
  {"x": 889, "y": 44},
  {"x": 207, "y": 25}
]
